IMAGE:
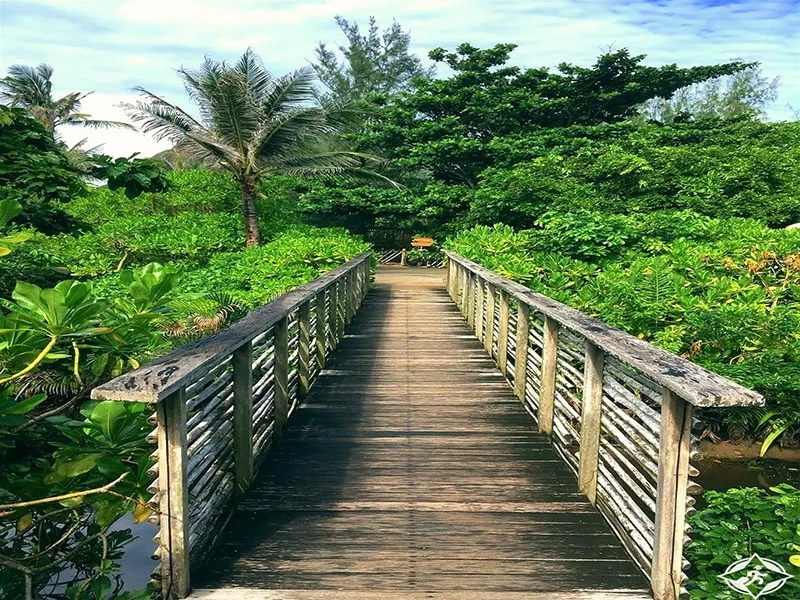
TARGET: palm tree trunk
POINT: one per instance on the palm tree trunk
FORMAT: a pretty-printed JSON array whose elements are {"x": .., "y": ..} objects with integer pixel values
[{"x": 248, "y": 186}]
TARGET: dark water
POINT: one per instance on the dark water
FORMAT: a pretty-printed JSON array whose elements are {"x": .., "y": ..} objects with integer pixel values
[
  {"x": 136, "y": 563},
  {"x": 720, "y": 475}
]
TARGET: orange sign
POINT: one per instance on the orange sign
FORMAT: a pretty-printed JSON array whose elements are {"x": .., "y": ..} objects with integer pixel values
[{"x": 422, "y": 242}]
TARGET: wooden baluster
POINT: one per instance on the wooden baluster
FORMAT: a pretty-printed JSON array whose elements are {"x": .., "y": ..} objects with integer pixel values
[
  {"x": 242, "y": 362},
  {"x": 174, "y": 485},
  {"x": 341, "y": 307},
  {"x": 281, "y": 375},
  {"x": 481, "y": 299},
  {"x": 673, "y": 477},
  {"x": 502, "y": 334},
  {"x": 462, "y": 290},
  {"x": 521, "y": 354},
  {"x": 591, "y": 409},
  {"x": 352, "y": 295},
  {"x": 322, "y": 329},
  {"x": 547, "y": 382},
  {"x": 304, "y": 349},
  {"x": 448, "y": 277},
  {"x": 488, "y": 324},
  {"x": 470, "y": 299},
  {"x": 367, "y": 276}
]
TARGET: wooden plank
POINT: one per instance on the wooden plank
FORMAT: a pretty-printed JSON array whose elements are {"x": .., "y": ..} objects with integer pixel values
[
  {"x": 690, "y": 381},
  {"x": 159, "y": 378},
  {"x": 242, "y": 362},
  {"x": 521, "y": 352},
  {"x": 321, "y": 334},
  {"x": 488, "y": 324},
  {"x": 591, "y": 409},
  {"x": 547, "y": 382},
  {"x": 392, "y": 594},
  {"x": 404, "y": 471},
  {"x": 174, "y": 496},
  {"x": 304, "y": 349},
  {"x": 281, "y": 375},
  {"x": 673, "y": 476},
  {"x": 502, "y": 334}
]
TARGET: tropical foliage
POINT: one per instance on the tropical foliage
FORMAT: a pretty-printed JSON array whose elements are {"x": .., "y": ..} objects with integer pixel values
[{"x": 254, "y": 125}]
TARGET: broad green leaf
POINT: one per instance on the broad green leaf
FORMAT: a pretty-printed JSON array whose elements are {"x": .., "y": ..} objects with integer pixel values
[{"x": 109, "y": 417}]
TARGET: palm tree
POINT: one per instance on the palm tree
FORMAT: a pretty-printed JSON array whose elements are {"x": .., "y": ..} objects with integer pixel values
[
  {"x": 254, "y": 125},
  {"x": 30, "y": 88}
]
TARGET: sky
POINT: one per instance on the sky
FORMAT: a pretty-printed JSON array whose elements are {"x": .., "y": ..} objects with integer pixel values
[{"x": 110, "y": 46}]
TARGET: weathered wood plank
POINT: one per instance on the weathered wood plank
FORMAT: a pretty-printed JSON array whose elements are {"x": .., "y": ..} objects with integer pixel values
[{"x": 401, "y": 473}]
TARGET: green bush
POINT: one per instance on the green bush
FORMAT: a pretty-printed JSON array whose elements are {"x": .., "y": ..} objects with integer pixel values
[
  {"x": 257, "y": 275},
  {"x": 722, "y": 293},
  {"x": 736, "y": 524}
]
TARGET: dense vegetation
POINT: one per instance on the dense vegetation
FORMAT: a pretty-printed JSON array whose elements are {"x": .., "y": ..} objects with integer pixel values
[{"x": 669, "y": 228}]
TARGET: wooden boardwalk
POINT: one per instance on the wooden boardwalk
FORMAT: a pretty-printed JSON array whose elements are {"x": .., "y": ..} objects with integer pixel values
[{"x": 411, "y": 471}]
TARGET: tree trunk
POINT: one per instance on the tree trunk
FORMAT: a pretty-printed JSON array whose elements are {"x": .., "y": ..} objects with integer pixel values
[{"x": 248, "y": 186}]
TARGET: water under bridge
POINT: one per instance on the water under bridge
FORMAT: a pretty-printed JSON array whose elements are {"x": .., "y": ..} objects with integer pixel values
[{"x": 441, "y": 434}]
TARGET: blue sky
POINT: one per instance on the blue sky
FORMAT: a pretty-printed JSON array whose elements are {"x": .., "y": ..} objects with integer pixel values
[{"x": 111, "y": 45}]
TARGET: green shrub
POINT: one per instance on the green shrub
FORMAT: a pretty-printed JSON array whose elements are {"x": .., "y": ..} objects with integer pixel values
[
  {"x": 257, "y": 275},
  {"x": 722, "y": 293},
  {"x": 736, "y": 524}
]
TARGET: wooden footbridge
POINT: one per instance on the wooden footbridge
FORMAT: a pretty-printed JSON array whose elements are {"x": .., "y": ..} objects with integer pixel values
[{"x": 546, "y": 459}]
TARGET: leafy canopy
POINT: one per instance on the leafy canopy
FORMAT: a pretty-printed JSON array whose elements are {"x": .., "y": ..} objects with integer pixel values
[{"x": 448, "y": 127}]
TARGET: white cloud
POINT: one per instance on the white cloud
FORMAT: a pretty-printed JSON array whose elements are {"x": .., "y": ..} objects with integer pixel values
[{"x": 111, "y": 45}]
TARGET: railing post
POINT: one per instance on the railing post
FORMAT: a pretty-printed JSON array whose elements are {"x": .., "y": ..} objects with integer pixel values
[
  {"x": 666, "y": 577},
  {"x": 448, "y": 277},
  {"x": 304, "y": 348},
  {"x": 470, "y": 299},
  {"x": 502, "y": 334},
  {"x": 488, "y": 324},
  {"x": 321, "y": 328},
  {"x": 463, "y": 280},
  {"x": 174, "y": 499},
  {"x": 521, "y": 353},
  {"x": 547, "y": 382},
  {"x": 367, "y": 273},
  {"x": 242, "y": 362},
  {"x": 479, "y": 309},
  {"x": 281, "y": 375},
  {"x": 341, "y": 308},
  {"x": 591, "y": 409}
]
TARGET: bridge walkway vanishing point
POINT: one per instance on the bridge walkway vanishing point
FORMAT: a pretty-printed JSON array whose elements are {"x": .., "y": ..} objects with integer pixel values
[{"x": 412, "y": 471}]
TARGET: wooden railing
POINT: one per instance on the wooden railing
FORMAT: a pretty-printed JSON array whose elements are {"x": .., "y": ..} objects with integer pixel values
[
  {"x": 220, "y": 404},
  {"x": 618, "y": 410}
]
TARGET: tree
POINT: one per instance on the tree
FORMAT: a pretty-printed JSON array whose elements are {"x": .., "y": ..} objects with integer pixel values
[
  {"x": 454, "y": 128},
  {"x": 742, "y": 94},
  {"x": 30, "y": 88},
  {"x": 35, "y": 172},
  {"x": 254, "y": 125},
  {"x": 372, "y": 63}
]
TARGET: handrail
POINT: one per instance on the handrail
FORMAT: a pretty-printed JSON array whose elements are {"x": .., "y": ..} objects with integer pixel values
[
  {"x": 697, "y": 385},
  {"x": 158, "y": 379},
  {"x": 221, "y": 402},
  {"x": 617, "y": 409}
]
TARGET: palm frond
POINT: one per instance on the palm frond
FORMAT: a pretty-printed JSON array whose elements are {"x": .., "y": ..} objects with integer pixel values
[
  {"x": 159, "y": 117},
  {"x": 258, "y": 78}
]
